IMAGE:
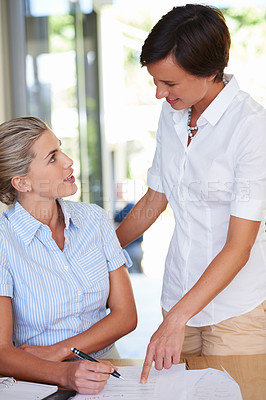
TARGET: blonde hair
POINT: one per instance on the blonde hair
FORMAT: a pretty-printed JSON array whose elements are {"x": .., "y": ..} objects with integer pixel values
[{"x": 16, "y": 139}]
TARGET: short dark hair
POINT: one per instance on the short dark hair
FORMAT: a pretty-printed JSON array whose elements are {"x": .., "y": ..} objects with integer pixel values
[{"x": 195, "y": 35}]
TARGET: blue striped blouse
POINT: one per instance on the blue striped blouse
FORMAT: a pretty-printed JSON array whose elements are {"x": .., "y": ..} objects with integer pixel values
[{"x": 57, "y": 294}]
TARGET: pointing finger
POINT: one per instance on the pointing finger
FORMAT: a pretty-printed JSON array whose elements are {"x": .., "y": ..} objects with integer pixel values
[{"x": 146, "y": 367}]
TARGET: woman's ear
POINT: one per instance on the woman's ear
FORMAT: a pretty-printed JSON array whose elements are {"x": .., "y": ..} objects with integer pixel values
[
  {"x": 21, "y": 184},
  {"x": 212, "y": 77}
]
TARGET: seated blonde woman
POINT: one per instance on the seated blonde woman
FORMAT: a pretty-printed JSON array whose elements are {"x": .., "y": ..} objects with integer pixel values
[{"x": 60, "y": 263}]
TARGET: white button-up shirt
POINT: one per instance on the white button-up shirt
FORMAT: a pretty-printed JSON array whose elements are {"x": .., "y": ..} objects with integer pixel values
[{"x": 221, "y": 173}]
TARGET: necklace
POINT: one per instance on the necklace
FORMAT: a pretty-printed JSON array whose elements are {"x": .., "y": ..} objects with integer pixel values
[{"x": 190, "y": 129}]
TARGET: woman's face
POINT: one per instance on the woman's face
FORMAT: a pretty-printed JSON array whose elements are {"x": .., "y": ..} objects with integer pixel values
[
  {"x": 50, "y": 175},
  {"x": 178, "y": 87}
]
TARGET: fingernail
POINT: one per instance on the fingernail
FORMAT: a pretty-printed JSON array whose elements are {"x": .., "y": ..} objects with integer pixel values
[{"x": 143, "y": 380}]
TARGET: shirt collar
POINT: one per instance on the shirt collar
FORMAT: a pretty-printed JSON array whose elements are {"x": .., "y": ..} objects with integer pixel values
[
  {"x": 23, "y": 223},
  {"x": 26, "y": 226},
  {"x": 218, "y": 106},
  {"x": 69, "y": 213},
  {"x": 177, "y": 115}
]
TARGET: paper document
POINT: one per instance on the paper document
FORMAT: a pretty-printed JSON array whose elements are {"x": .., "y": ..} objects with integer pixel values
[
  {"x": 211, "y": 384},
  {"x": 161, "y": 385}
]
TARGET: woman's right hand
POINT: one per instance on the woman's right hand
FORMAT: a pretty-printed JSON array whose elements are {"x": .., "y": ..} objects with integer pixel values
[
  {"x": 86, "y": 377},
  {"x": 165, "y": 345}
]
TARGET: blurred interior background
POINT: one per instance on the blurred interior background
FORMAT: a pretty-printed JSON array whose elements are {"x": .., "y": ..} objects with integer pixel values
[{"x": 75, "y": 64}]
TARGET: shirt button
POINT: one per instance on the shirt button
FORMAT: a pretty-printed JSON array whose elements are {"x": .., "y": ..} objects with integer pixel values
[
  {"x": 66, "y": 267},
  {"x": 79, "y": 292}
]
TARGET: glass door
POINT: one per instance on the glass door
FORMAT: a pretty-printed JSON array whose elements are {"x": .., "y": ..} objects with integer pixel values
[{"x": 62, "y": 83}]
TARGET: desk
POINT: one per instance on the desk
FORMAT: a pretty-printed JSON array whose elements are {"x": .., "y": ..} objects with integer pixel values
[{"x": 248, "y": 371}]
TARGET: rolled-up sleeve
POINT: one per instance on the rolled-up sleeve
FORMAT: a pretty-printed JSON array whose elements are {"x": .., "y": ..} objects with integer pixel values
[
  {"x": 6, "y": 282},
  {"x": 115, "y": 255},
  {"x": 154, "y": 173},
  {"x": 250, "y": 175}
]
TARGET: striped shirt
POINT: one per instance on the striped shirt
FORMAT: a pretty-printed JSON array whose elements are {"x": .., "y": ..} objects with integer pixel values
[{"x": 57, "y": 294}]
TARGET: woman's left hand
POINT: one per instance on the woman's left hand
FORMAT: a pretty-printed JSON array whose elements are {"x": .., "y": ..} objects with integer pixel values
[
  {"x": 45, "y": 352},
  {"x": 165, "y": 346}
]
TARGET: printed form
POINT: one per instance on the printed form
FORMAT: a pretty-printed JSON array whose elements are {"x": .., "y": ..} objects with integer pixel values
[{"x": 131, "y": 389}]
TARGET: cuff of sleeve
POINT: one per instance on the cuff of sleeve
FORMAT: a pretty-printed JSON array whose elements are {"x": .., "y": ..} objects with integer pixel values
[
  {"x": 6, "y": 290},
  {"x": 128, "y": 262},
  {"x": 251, "y": 209},
  {"x": 121, "y": 259},
  {"x": 154, "y": 182}
]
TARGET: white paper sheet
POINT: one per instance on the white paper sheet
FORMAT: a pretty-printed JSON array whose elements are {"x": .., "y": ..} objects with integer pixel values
[
  {"x": 211, "y": 384},
  {"x": 158, "y": 387},
  {"x": 173, "y": 384}
]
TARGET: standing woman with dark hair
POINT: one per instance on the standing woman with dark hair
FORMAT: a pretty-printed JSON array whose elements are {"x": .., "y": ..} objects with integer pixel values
[
  {"x": 210, "y": 165},
  {"x": 60, "y": 262}
]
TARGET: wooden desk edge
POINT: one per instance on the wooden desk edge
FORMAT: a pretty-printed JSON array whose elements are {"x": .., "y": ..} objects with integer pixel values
[{"x": 131, "y": 362}]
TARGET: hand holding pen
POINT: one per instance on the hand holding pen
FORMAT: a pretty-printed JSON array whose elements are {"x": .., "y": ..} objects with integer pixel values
[{"x": 84, "y": 356}]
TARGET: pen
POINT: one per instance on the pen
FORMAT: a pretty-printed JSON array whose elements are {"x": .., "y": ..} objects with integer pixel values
[{"x": 84, "y": 356}]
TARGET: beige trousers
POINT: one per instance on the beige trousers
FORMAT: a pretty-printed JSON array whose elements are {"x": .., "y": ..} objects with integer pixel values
[{"x": 245, "y": 334}]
